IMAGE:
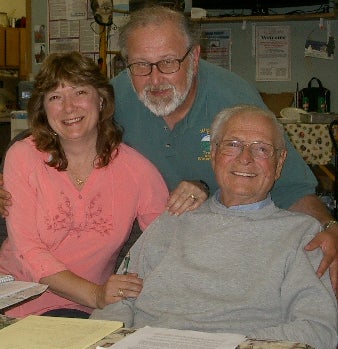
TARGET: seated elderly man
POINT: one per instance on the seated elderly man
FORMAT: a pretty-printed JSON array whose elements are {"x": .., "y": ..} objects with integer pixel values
[{"x": 234, "y": 264}]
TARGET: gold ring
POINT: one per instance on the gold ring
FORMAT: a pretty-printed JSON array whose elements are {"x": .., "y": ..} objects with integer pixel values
[
  {"x": 193, "y": 197},
  {"x": 120, "y": 292}
]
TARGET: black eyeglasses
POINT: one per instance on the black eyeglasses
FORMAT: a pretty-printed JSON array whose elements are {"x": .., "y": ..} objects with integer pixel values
[
  {"x": 165, "y": 66},
  {"x": 258, "y": 150}
]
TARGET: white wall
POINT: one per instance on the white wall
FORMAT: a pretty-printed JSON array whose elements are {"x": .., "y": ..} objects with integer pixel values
[
  {"x": 243, "y": 63},
  {"x": 302, "y": 68}
]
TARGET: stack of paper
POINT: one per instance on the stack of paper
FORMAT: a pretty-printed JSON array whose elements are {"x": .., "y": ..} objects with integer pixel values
[
  {"x": 12, "y": 292},
  {"x": 42, "y": 332},
  {"x": 154, "y": 338}
]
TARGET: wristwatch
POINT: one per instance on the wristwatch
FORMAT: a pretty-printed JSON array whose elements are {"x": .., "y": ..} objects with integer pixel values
[
  {"x": 205, "y": 186},
  {"x": 329, "y": 224}
]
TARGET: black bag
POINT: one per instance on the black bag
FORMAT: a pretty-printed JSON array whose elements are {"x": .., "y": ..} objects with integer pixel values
[{"x": 315, "y": 99}]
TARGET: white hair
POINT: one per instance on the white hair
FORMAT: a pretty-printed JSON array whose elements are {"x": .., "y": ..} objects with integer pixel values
[{"x": 225, "y": 115}]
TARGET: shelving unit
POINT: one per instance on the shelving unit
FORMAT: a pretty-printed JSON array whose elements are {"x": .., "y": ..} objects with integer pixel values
[
  {"x": 268, "y": 18},
  {"x": 222, "y": 19}
]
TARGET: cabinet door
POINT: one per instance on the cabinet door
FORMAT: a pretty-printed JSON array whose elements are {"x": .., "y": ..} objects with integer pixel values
[
  {"x": 2, "y": 47},
  {"x": 12, "y": 47},
  {"x": 5, "y": 136},
  {"x": 23, "y": 68}
]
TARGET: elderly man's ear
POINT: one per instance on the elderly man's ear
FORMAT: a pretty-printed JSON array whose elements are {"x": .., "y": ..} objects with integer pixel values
[
  {"x": 213, "y": 148},
  {"x": 280, "y": 163}
]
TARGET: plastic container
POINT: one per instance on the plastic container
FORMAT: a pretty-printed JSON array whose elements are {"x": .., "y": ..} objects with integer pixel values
[
  {"x": 19, "y": 122},
  {"x": 25, "y": 89},
  {"x": 3, "y": 19}
]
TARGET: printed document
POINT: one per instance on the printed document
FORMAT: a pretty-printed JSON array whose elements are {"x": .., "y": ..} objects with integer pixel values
[{"x": 159, "y": 338}]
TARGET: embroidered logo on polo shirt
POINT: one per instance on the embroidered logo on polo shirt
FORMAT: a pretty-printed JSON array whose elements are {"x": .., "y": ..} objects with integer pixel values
[{"x": 205, "y": 144}]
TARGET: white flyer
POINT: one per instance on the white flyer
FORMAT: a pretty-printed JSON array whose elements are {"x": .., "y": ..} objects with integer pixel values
[
  {"x": 273, "y": 58},
  {"x": 157, "y": 338}
]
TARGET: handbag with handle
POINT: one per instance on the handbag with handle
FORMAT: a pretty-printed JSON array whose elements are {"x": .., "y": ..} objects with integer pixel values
[{"x": 315, "y": 98}]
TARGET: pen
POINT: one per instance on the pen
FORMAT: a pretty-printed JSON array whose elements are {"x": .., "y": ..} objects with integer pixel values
[{"x": 126, "y": 263}]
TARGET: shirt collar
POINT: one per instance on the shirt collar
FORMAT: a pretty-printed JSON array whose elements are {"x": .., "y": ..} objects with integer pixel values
[{"x": 248, "y": 207}]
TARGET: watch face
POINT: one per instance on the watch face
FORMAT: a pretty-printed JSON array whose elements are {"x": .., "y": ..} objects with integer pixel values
[{"x": 102, "y": 11}]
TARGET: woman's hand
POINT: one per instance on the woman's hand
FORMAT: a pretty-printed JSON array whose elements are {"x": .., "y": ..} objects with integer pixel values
[
  {"x": 186, "y": 197},
  {"x": 118, "y": 287},
  {"x": 73, "y": 287}
]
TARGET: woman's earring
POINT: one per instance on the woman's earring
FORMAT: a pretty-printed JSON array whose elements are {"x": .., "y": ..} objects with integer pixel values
[{"x": 101, "y": 106}]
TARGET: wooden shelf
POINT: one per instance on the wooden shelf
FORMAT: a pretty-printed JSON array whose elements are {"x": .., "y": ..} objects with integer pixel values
[{"x": 269, "y": 18}]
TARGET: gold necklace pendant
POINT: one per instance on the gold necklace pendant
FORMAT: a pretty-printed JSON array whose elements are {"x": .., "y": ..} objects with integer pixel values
[{"x": 79, "y": 181}]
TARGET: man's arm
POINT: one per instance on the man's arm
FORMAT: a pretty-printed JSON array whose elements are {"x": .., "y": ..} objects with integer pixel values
[
  {"x": 308, "y": 308},
  {"x": 5, "y": 198},
  {"x": 327, "y": 240}
]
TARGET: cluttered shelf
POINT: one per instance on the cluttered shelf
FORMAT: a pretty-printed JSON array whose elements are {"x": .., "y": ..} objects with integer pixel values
[{"x": 267, "y": 18}]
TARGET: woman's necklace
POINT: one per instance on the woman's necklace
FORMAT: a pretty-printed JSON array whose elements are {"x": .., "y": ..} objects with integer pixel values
[
  {"x": 79, "y": 181},
  {"x": 82, "y": 173}
]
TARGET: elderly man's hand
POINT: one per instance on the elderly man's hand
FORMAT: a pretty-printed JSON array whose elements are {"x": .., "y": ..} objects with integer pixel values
[
  {"x": 186, "y": 197},
  {"x": 4, "y": 198},
  {"x": 327, "y": 240}
]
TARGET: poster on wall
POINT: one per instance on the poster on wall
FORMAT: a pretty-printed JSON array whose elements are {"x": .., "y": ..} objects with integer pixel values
[
  {"x": 319, "y": 49},
  {"x": 216, "y": 45},
  {"x": 39, "y": 43},
  {"x": 273, "y": 58},
  {"x": 64, "y": 24},
  {"x": 72, "y": 26}
]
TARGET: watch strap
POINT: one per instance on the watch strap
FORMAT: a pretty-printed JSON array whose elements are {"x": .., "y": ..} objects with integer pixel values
[
  {"x": 205, "y": 186},
  {"x": 329, "y": 224}
]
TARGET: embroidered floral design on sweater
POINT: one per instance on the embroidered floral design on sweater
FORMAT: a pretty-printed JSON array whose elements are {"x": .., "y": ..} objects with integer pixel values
[{"x": 64, "y": 223}]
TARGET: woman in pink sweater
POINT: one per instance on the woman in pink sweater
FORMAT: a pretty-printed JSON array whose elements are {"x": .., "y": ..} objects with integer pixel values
[{"x": 76, "y": 191}]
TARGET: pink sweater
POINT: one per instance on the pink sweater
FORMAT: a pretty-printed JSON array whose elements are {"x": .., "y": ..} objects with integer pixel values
[{"x": 52, "y": 226}]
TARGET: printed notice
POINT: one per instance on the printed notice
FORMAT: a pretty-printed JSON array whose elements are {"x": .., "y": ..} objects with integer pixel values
[
  {"x": 216, "y": 45},
  {"x": 273, "y": 59},
  {"x": 157, "y": 338}
]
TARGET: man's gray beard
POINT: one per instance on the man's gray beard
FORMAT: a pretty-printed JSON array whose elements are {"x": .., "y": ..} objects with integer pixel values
[{"x": 164, "y": 108}]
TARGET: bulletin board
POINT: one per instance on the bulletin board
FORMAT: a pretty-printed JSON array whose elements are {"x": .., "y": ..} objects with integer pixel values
[{"x": 71, "y": 27}]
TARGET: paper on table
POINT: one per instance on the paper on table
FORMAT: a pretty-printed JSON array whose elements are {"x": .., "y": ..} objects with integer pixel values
[
  {"x": 5, "y": 278},
  {"x": 157, "y": 338},
  {"x": 12, "y": 287},
  {"x": 43, "y": 332},
  {"x": 13, "y": 292}
]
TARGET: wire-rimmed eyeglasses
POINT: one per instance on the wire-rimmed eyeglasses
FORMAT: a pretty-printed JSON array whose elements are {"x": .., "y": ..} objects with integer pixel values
[
  {"x": 165, "y": 66},
  {"x": 259, "y": 150}
]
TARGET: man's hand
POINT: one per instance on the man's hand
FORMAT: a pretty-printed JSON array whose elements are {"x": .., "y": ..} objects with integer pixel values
[
  {"x": 5, "y": 198},
  {"x": 186, "y": 197},
  {"x": 327, "y": 240}
]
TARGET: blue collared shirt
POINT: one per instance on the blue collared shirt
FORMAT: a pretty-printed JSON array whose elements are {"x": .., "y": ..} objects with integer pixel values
[{"x": 248, "y": 207}]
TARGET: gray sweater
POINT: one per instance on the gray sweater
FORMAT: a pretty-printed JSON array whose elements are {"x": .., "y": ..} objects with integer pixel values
[{"x": 222, "y": 270}]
